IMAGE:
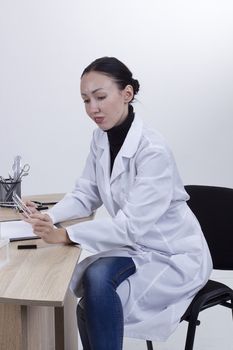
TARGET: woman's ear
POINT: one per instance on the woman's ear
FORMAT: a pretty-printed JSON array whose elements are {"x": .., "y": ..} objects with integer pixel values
[{"x": 128, "y": 93}]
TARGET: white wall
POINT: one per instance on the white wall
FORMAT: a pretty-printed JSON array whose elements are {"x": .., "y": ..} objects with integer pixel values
[{"x": 180, "y": 50}]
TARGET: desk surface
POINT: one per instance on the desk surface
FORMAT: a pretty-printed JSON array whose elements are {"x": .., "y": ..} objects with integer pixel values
[{"x": 40, "y": 276}]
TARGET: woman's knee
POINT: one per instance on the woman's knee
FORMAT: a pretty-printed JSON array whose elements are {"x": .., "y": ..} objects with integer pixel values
[
  {"x": 107, "y": 272},
  {"x": 96, "y": 275}
]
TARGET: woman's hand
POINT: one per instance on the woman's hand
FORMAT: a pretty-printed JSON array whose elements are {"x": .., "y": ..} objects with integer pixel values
[
  {"x": 32, "y": 207},
  {"x": 43, "y": 227}
]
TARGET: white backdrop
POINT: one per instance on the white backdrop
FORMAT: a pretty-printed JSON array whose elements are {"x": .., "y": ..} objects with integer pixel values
[{"x": 180, "y": 50}]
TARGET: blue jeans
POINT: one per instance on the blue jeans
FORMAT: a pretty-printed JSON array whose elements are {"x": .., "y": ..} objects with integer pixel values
[{"x": 100, "y": 315}]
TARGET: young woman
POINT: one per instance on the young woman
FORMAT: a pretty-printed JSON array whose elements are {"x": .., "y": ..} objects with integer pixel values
[{"x": 149, "y": 256}]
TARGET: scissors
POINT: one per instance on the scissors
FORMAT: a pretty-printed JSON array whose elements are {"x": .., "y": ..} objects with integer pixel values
[{"x": 24, "y": 171}]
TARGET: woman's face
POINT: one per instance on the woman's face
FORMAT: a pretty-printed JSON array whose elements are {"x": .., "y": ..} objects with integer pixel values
[{"x": 105, "y": 103}]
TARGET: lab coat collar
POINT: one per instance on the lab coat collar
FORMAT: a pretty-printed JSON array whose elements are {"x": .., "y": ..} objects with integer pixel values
[
  {"x": 127, "y": 150},
  {"x": 132, "y": 139},
  {"x": 130, "y": 144}
]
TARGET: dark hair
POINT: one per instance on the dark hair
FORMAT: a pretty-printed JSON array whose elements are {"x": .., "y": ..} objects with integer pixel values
[{"x": 115, "y": 69}]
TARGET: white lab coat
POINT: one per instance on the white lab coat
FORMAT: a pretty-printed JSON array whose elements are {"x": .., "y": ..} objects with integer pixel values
[{"x": 149, "y": 221}]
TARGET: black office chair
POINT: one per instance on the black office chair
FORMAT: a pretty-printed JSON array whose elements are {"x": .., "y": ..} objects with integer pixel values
[{"x": 213, "y": 206}]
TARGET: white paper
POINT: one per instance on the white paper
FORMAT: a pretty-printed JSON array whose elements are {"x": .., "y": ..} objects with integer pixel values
[{"x": 16, "y": 230}]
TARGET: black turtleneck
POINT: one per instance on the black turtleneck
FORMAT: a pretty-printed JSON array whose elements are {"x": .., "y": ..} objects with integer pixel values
[{"x": 117, "y": 135}]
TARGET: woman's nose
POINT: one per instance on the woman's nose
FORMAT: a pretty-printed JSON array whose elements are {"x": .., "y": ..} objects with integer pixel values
[{"x": 94, "y": 107}]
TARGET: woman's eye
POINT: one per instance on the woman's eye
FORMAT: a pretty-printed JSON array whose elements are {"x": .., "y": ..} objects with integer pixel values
[
  {"x": 86, "y": 101},
  {"x": 101, "y": 98}
]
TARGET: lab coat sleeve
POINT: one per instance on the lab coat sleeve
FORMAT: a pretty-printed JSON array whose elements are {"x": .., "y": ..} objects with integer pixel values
[
  {"x": 85, "y": 197},
  {"x": 146, "y": 202}
]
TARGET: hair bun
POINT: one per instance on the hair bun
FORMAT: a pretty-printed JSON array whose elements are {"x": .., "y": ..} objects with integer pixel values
[{"x": 135, "y": 85}]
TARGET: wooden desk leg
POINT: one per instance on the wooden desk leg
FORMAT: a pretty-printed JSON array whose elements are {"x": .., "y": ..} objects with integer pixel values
[
  {"x": 70, "y": 322},
  {"x": 59, "y": 328},
  {"x": 66, "y": 330},
  {"x": 24, "y": 323},
  {"x": 39, "y": 327},
  {"x": 10, "y": 327}
]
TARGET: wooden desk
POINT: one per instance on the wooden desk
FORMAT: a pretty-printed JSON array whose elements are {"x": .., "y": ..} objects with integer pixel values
[{"x": 37, "y": 309}]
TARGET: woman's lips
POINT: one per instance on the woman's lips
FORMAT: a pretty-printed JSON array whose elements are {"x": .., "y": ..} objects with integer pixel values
[{"x": 99, "y": 120}]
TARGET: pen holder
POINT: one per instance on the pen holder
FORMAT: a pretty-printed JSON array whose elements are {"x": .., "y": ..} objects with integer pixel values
[{"x": 7, "y": 188}]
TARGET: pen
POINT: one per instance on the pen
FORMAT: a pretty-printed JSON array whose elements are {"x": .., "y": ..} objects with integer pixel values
[
  {"x": 42, "y": 207},
  {"x": 44, "y": 203},
  {"x": 27, "y": 246}
]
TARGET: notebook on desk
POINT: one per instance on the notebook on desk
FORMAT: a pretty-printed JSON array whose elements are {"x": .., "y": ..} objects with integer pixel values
[{"x": 16, "y": 230}]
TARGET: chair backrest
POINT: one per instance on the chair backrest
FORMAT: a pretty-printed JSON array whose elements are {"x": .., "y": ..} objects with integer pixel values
[{"x": 213, "y": 207}]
